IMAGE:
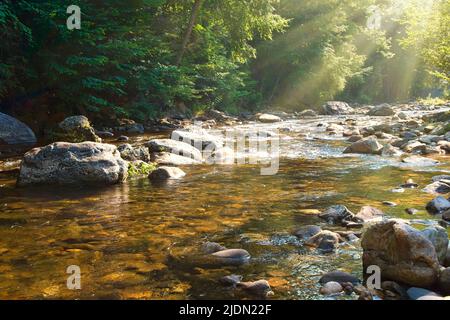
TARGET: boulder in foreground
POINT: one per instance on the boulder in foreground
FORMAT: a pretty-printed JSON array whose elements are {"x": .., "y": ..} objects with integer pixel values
[
  {"x": 403, "y": 253},
  {"x": 64, "y": 163}
]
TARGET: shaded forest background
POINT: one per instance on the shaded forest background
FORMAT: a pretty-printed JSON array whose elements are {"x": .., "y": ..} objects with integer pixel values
[{"x": 143, "y": 59}]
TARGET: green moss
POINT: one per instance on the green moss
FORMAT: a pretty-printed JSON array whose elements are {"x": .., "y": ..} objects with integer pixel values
[{"x": 140, "y": 169}]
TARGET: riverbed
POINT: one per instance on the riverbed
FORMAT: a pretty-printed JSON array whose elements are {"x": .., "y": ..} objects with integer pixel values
[{"x": 123, "y": 237}]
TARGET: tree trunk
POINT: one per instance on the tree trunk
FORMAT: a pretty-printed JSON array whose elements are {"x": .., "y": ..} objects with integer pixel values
[{"x": 194, "y": 13}]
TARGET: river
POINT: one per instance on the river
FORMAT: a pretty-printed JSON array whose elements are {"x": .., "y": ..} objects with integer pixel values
[{"x": 122, "y": 236}]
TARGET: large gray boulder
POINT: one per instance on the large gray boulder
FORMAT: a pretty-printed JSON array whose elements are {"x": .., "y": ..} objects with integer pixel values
[
  {"x": 403, "y": 253},
  {"x": 63, "y": 163},
  {"x": 176, "y": 147},
  {"x": 332, "y": 108},
  {"x": 12, "y": 131},
  {"x": 76, "y": 129}
]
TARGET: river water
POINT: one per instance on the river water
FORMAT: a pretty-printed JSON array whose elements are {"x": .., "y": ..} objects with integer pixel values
[{"x": 123, "y": 237}]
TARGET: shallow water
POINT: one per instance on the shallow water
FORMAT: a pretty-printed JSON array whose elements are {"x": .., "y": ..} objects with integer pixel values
[{"x": 123, "y": 237}]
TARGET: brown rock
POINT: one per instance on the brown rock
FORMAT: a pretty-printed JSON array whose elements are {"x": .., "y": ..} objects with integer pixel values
[{"x": 403, "y": 253}]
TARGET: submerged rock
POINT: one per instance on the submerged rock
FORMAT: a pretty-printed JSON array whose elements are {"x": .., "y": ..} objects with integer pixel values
[
  {"x": 331, "y": 288},
  {"x": 167, "y": 173},
  {"x": 307, "y": 232},
  {"x": 340, "y": 277},
  {"x": 212, "y": 247},
  {"x": 232, "y": 256},
  {"x": 369, "y": 145},
  {"x": 231, "y": 280},
  {"x": 260, "y": 288},
  {"x": 123, "y": 139},
  {"x": 325, "y": 240},
  {"x": 403, "y": 253},
  {"x": 64, "y": 163},
  {"x": 13, "y": 131}
]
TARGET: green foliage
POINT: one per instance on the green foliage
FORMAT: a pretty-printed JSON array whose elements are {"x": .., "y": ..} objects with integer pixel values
[
  {"x": 316, "y": 57},
  {"x": 240, "y": 55},
  {"x": 140, "y": 169},
  {"x": 122, "y": 61},
  {"x": 427, "y": 26}
]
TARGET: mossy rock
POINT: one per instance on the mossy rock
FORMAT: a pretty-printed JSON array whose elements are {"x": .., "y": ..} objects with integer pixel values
[{"x": 75, "y": 129}]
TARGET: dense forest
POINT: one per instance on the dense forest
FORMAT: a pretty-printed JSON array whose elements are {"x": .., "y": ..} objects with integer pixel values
[{"x": 145, "y": 58}]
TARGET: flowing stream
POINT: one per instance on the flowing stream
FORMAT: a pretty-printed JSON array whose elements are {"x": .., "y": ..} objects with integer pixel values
[{"x": 123, "y": 236}]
